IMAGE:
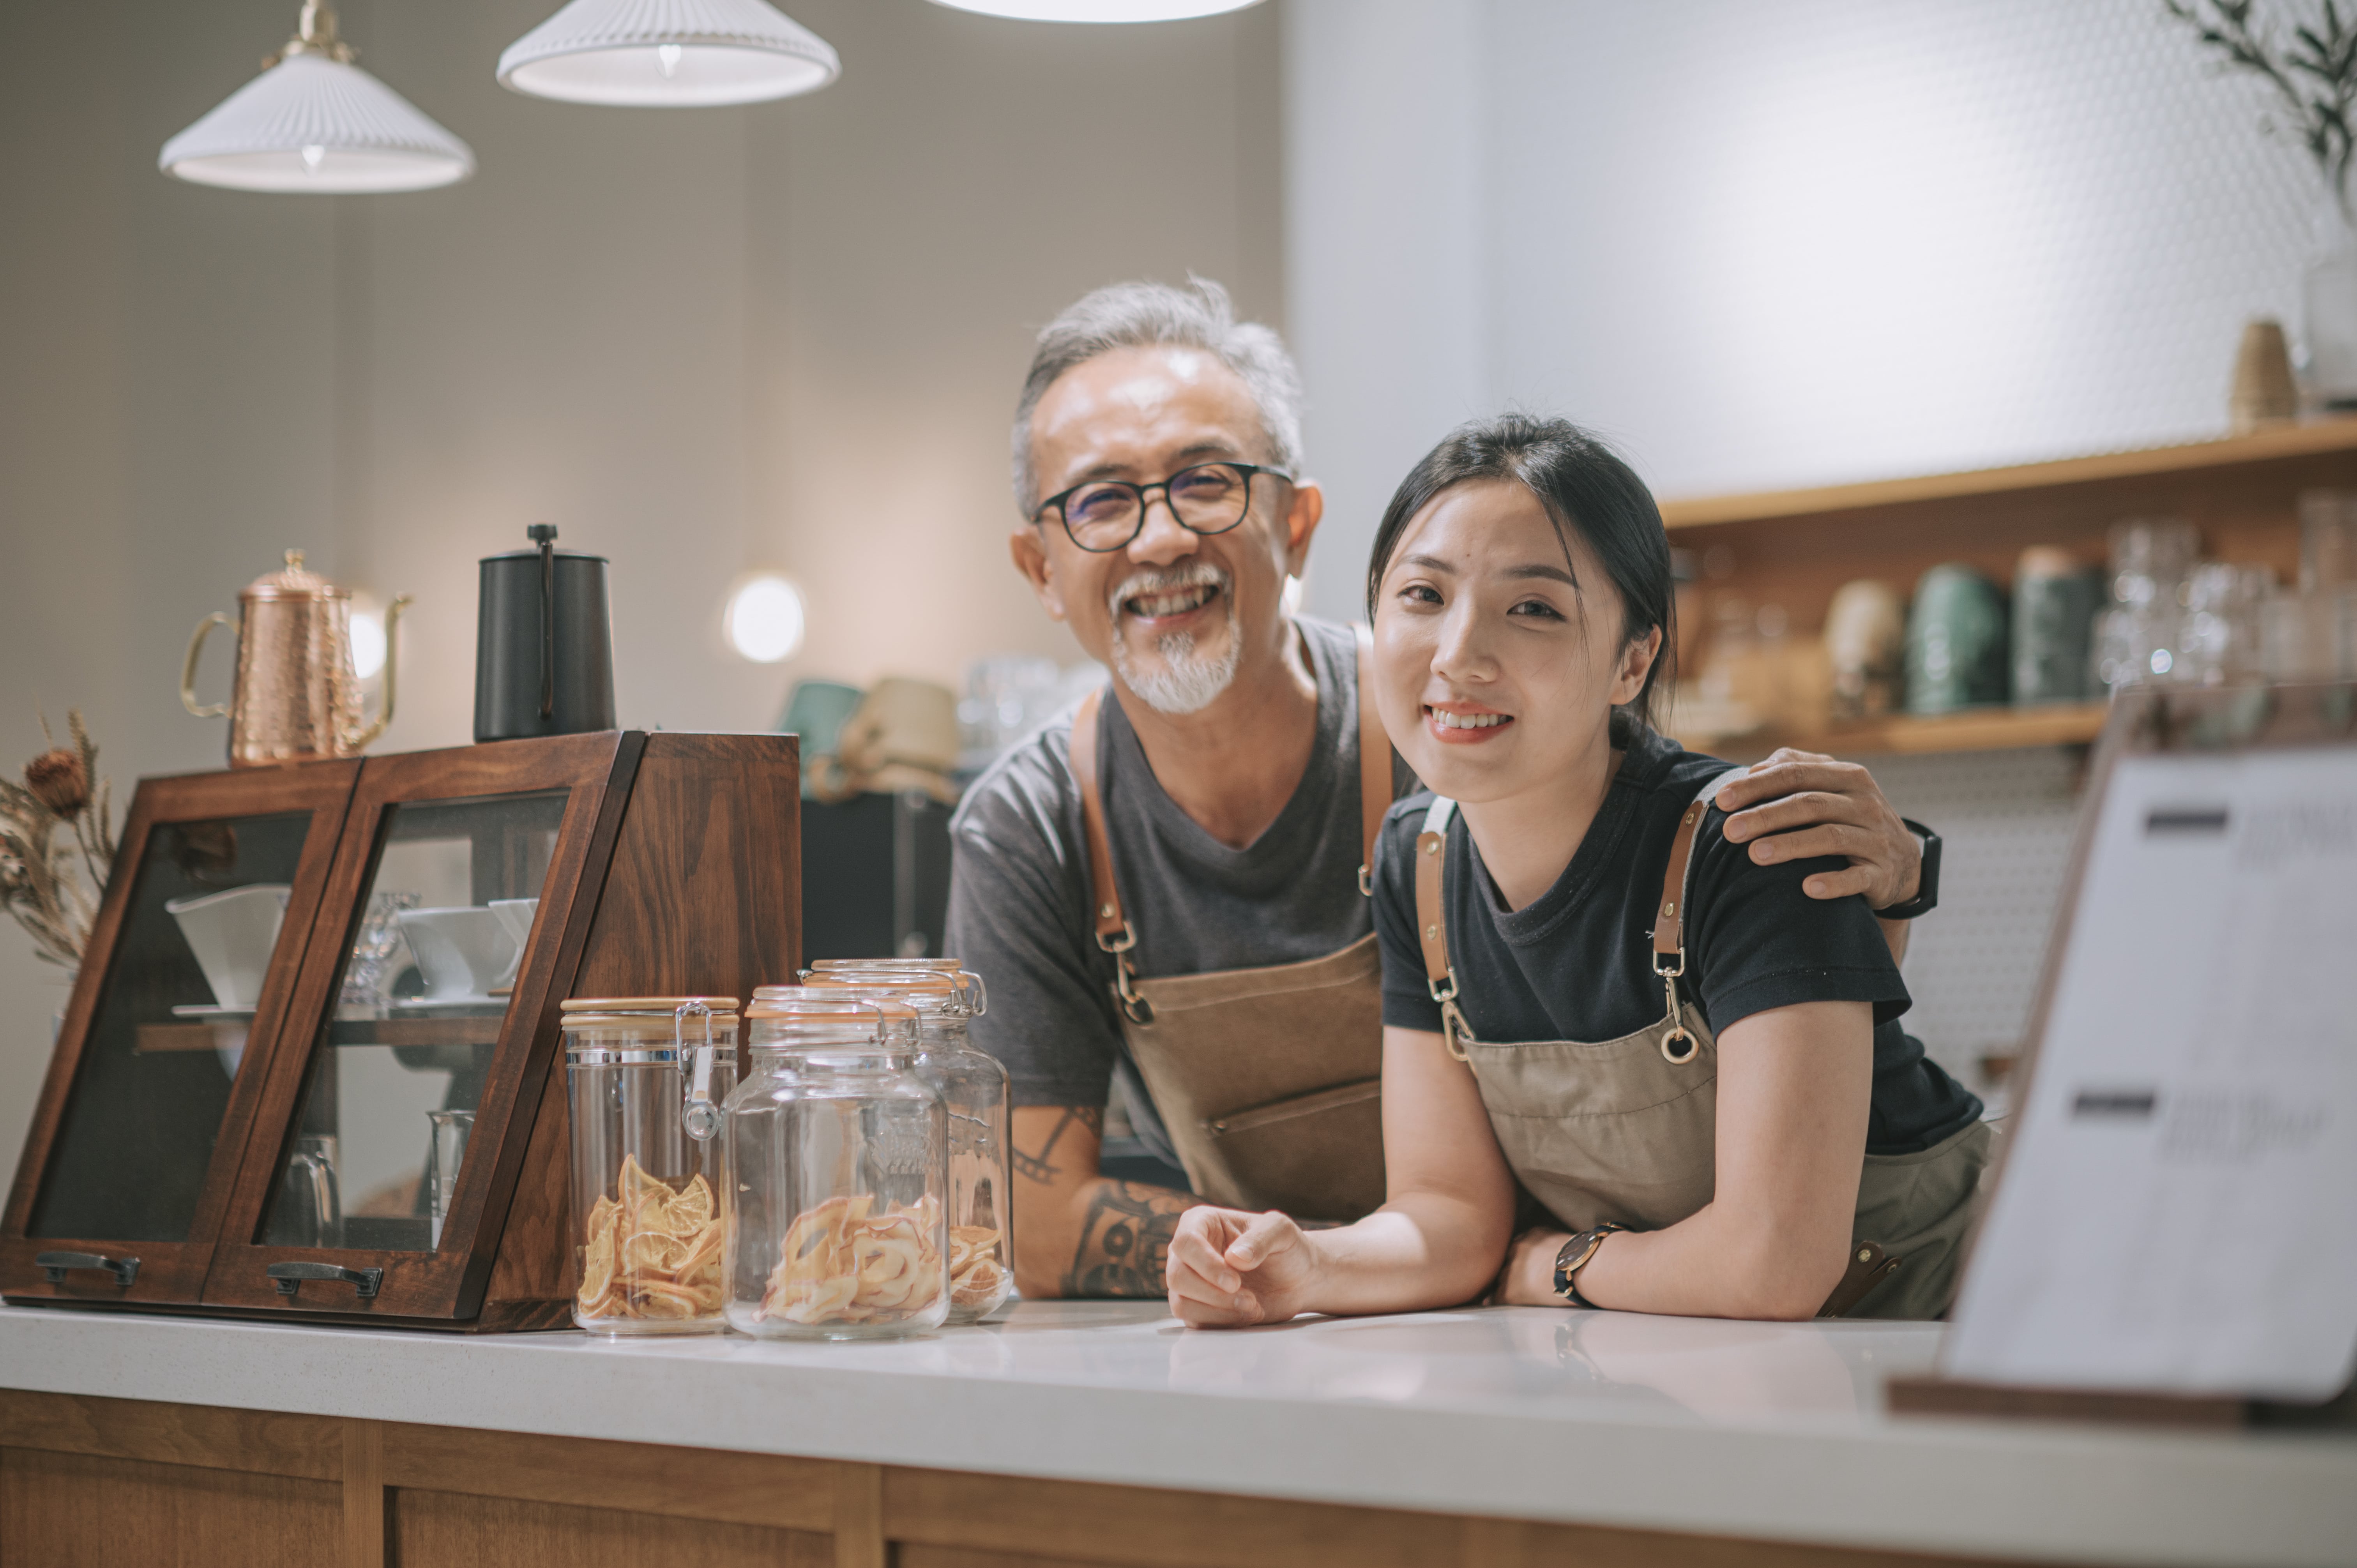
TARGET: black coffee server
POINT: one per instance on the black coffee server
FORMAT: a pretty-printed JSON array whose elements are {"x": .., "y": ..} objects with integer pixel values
[{"x": 543, "y": 643}]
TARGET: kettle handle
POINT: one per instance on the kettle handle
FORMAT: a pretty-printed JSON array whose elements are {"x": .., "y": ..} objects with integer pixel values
[
  {"x": 189, "y": 670},
  {"x": 391, "y": 653}
]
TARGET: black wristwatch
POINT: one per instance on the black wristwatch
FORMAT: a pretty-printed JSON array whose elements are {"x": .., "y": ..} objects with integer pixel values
[
  {"x": 1927, "y": 881},
  {"x": 1573, "y": 1257}
]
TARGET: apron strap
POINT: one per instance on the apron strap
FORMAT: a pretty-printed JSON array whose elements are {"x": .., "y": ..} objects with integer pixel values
[
  {"x": 1679, "y": 1046},
  {"x": 1432, "y": 923},
  {"x": 1112, "y": 930},
  {"x": 1374, "y": 762},
  {"x": 1670, "y": 918}
]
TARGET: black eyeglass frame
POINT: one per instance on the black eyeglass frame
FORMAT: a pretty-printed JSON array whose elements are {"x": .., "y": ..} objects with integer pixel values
[{"x": 1250, "y": 471}]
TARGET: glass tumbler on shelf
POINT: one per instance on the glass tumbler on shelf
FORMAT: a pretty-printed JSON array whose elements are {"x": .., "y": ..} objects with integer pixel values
[
  {"x": 838, "y": 1225},
  {"x": 2137, "y": 635},
  {"x": 974, "y": 1087},
  {"x": 646, "y": 1079}
]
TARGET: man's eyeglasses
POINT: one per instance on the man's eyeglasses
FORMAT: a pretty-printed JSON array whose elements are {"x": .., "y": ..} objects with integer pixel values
[{"x": 1104, "y": 515}]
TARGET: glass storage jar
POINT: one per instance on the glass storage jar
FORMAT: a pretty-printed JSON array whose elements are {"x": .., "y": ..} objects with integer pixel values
[
  {"x": 646, "y": 1077},
  {"x": 973, "y": 1086},
  {"x": 837, "y": 1219}
]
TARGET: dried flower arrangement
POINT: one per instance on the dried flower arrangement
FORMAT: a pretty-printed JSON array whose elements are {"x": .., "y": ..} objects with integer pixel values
[
  {"x": 2315, "y": 78},
  {"x": 40, "y": 882}
]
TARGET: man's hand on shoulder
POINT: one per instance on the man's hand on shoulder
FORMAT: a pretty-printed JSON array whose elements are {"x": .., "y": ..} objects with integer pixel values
[{"x": 1799, "y": 805}]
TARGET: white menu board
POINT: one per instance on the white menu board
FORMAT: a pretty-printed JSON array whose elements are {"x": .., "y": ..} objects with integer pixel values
[{"x": 2179, "y": 1209}]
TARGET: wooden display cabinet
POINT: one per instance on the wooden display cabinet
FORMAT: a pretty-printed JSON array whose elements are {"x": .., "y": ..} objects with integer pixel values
[{"x": 307, "y": 1123}]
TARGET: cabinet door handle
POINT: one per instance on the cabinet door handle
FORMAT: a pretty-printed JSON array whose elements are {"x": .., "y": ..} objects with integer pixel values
[
  {"x": 53, "y": 1266},
  {"x": 288, "y": 1277}
]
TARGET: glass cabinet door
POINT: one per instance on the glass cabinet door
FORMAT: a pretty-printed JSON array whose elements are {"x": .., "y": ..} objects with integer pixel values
[
  {"x": 430, "y": 981},
  {"x": 388, "y": 1102},
  {"x": 162, "y": 1053}
]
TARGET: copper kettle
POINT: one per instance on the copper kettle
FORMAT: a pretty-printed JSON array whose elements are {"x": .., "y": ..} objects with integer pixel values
[{"x": 296, "y": 698}]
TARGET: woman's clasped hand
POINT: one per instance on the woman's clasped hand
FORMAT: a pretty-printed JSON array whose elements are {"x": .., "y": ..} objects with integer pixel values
[{"x": 1230, "y": 1269}]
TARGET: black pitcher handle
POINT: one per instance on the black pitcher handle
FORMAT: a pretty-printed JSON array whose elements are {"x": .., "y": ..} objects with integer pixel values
[
  {"x": 288, "y": 1277},
  {"x": 53, "y": 1266},
  {"x": 544, "y": 535}
]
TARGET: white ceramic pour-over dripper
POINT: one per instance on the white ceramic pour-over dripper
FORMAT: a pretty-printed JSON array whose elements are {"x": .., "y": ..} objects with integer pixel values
[
  {"x": 462, "y": 951},
  {"x": 233, "y": 935},
  {"x": 516, "y": 917}
]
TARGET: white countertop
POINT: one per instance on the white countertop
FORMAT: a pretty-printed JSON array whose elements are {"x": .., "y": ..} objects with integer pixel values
[{"x": 1739, "y": 1429}]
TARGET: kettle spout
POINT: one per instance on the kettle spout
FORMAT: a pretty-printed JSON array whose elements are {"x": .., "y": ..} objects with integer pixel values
[{"x": 392, "y": 664}]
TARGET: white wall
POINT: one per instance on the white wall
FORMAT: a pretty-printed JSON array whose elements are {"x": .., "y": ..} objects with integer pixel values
[
  {"x": 696, "y": 340},
  {"x": 1770, "y": 245}
]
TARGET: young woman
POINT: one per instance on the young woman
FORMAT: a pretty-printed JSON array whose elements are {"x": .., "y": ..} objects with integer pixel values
[{"x": 1620, "y": 1059}]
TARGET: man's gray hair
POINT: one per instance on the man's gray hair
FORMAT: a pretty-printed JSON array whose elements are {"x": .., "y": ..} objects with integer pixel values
[{"x": 1140, "y": 315}]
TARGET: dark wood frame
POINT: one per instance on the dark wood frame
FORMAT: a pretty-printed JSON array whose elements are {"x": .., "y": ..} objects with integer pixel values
[
  {"x": 174, "y": 1272},
  {"x": 448, "y": 1283}
]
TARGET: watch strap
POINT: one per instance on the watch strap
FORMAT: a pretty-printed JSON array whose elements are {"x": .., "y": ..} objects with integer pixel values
[
  {"x": 1927, "y": 880},
  {"x": 1574, "y": 1256}
]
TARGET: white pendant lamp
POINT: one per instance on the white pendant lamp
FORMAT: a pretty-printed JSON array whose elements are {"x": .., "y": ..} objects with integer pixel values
[
  {"x": 668, "y": 53},
  {"x": 1099, "y": 10},
  {"x": 314, "y": 123}
]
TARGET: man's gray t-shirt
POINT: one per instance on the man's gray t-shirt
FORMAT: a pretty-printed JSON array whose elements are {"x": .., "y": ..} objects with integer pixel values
[{"x": 1019, "y": 904}]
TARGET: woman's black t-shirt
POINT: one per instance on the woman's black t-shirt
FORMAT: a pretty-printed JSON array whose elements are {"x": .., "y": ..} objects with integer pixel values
[{"x": 1578, "y": 963}]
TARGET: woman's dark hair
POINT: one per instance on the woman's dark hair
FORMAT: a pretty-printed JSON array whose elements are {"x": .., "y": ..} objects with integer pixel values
[{"x": 1585, "y": 488}]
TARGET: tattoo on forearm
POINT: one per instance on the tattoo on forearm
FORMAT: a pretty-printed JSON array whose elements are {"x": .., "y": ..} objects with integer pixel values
[
  {"x": 1125, "y": 1239},
  {"x": 1040, "y": 1167}
]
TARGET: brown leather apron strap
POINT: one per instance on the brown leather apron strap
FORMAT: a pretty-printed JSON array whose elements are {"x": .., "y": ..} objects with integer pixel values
[
  {"x": 1106, "y": 898},
  {"x": 1114, "y": 934},
  {"x": 1432, "y": 923},
  {"x": 1670, "y": 916},
  {"x": 1374, "y": 763}
]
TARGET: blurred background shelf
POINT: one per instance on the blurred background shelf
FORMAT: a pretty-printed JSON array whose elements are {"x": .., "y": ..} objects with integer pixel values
[
  {"x": 1977, "y": 729},
  {"x": 2328, "y": 442},
  {"x": 1794, "y": 548}
]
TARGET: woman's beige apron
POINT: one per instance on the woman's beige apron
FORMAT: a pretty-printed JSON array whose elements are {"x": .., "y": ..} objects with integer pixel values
[
  {"x": 1626, "y": 1129},
  {"x": 1268, "y": 1080}
]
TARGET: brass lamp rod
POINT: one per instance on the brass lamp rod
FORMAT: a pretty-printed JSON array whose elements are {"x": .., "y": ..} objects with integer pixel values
[{"x": 315, "y": 34}]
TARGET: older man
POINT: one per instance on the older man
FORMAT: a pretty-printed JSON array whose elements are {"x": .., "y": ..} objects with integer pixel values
[{"x": 1164, "y": 891}]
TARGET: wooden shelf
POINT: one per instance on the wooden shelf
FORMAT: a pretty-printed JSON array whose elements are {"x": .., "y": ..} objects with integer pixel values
[
  {"x": 202, "y": 1035},
  {"x": 2321, "y": 438},
  {"x": 1977, "y": 729},
  {"x": 462, "y": 1031}
]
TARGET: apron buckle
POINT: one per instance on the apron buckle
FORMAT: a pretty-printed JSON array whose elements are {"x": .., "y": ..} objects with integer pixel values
[
  {"x": 1135, "y": 1007},
  {"x": 1452, "y": 1028},
  {"x": 1679, "y": 1034}
]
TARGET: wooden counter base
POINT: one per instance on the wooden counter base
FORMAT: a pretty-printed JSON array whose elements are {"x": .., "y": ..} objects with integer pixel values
[{"x": 114, "y": 1482}]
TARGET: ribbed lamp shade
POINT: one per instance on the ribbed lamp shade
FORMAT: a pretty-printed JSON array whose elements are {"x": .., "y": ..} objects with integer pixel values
[
  {"x": 680, "y": 53},
  {"x": 1098, "y": 10},
  {"x": 314, "y": 125}
]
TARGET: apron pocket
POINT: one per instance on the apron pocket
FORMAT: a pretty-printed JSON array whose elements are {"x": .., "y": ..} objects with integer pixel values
[{"x": 1307, "y": 1145}]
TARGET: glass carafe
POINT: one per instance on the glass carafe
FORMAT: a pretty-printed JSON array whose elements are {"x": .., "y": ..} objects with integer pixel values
[
  {"x": 973, "y": 1086},
  {"x": 838, "y": 1225},
  {"x": 646, "y": 1079}
]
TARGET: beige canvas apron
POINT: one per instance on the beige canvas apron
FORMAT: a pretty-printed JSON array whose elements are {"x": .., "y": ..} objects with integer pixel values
[
  {"x": 1626, "y": 1129},
  {"x": 1268, "y": 1080}
]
